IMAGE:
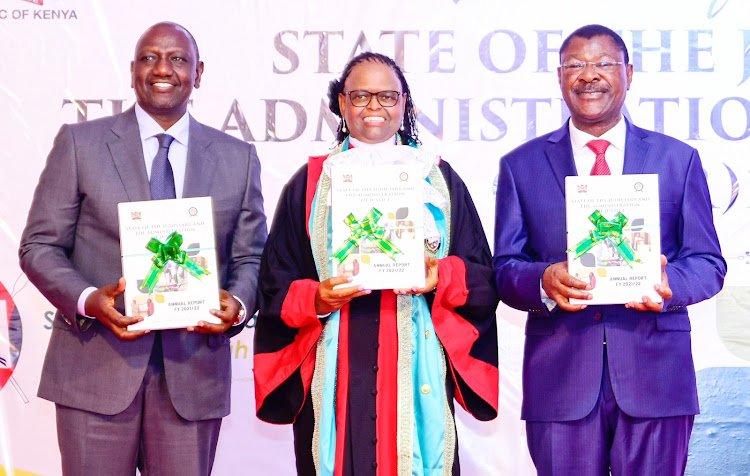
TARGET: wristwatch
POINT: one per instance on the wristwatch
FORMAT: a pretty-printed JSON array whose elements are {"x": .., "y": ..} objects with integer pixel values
[{"x": 241, "y": 314}]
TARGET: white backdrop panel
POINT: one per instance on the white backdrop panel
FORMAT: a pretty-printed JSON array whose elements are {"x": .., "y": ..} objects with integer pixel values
[{"x": 483, "y": 74}]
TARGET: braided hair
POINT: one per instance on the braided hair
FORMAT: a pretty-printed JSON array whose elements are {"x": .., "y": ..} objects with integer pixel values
[{"x": 409, "y": 133}]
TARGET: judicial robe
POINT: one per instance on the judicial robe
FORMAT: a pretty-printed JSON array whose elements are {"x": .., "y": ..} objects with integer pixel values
[{"x": 367, "y": 387}]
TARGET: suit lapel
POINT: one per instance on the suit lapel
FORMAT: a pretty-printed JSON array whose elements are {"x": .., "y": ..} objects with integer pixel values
[
  {"x": 636, "y": 150},
  {"x": 127, "y": 154},
  {"x": 200, "y": 163},
  {"x": 560, "y": 155}
]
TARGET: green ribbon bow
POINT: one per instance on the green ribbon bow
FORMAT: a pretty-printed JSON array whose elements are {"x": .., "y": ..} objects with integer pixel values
[
  {"x": 368, "y": 229},
  {"x": 169, "y": 251},
  {"x": 607, "y": 230}
]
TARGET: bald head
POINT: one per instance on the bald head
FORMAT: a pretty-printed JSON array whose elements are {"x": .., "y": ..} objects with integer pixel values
[{"x": 175, "y": 26}]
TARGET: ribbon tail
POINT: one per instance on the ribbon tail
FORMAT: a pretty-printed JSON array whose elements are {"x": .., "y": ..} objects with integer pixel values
[
  {"x": 386, "y": 246},
  {"x": 345, "y": 249},
  {"x": 152, "y": 277},
  {"x": 584, "y": 245},
  {"x": 194, "y": 268},
  {"x": 626, "y": 251}
]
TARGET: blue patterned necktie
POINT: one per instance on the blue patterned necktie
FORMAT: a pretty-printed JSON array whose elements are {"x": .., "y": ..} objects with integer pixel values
[{"x": 162, "y": 178}]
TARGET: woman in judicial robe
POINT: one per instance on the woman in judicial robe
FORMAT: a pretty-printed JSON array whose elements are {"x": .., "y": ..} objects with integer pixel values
[{"x": 368, "y": 377}]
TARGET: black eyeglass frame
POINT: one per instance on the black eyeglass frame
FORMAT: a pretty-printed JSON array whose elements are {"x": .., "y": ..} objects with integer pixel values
[{"x": 370, "y": 94}]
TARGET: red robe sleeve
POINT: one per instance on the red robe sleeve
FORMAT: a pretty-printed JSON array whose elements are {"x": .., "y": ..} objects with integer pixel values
[{"x": 288, "y": 328}]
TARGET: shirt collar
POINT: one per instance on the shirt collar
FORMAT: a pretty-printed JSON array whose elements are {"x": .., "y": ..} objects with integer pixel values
[
  {"x": 615, "y": 136},
  {"x": 366, "y": 145},
  {"x": 148, "y": 127}
]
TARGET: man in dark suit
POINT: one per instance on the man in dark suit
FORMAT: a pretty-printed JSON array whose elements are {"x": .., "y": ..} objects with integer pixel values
[
  {"x": 127, "y": 398},
  {"x": 604, "y": 387}
]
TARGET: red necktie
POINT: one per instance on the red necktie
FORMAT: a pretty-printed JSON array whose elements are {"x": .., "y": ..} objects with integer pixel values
[{"x": 599, "y": 146}]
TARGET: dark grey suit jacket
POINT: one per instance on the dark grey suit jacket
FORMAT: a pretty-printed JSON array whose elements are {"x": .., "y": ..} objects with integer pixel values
[{"x": 71, "y": 242}]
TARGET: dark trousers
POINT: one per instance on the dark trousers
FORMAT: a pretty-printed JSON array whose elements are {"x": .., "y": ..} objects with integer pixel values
[
  {"x": 608, "y": 439},
  {"x": 149, "y": 435}
]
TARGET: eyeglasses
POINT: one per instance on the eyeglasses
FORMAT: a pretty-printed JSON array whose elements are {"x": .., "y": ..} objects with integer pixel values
[
  {"x": 577, "y": 67},
  {"x": 363, "y": 98}
]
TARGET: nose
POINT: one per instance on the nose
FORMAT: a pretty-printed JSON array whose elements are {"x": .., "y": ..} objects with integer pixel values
[
  {"x": 589, "y": 73},
  {"x": 374, "y": 104},
  {"x": 163, "y": 66}
]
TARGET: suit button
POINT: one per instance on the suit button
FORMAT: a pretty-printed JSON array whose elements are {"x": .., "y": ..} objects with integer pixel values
[
  {"x": 374, "y": 368},
  {"x": 374, "y": 465},
  {"x": 374, "y": 392},
  {"x": 598, "y": 316},
  {"x": 374, "y": 416},
  {"x": 374, "y": 440}
]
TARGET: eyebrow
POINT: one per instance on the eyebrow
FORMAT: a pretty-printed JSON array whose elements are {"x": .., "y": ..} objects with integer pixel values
[
  {"x": 600, "y": 56},
  {"x": 170, "y": 51}
]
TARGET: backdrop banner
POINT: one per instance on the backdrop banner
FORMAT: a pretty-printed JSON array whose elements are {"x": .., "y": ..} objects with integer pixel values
[{"x": 484, "y": 77}]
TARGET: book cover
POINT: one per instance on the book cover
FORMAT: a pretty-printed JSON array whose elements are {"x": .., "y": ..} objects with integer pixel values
[
  {"x": 169, "y": 262},
  {"x": 377, "y": 215},
  {"x": 614, "y": 236}
]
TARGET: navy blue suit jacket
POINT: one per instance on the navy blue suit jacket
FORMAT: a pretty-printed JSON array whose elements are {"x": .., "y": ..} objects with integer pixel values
[{"x": 649, "y": 353}]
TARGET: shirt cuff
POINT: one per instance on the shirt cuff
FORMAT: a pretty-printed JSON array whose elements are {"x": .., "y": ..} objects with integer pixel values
[
  {"x": 550, "y": 304},
  {"x": 82, "y": 301}
]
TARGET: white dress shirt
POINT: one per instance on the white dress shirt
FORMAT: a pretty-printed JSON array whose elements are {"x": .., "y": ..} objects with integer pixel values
[
  {"x": 178, "y": 150},
  {"x": 584, "y": 157}
]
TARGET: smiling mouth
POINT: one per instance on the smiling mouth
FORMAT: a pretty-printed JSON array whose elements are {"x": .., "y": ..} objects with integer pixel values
[
  {"x": 374, "y": 120},
  {"x": 162, "y": 85},
  {"x": 590, "y": 92}
]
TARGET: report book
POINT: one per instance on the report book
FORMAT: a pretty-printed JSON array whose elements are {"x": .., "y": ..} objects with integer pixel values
[
  {"x": 169, "y": 262},
  {"x": 614, "y": 236},
  {"x": 377, "y": 215}
]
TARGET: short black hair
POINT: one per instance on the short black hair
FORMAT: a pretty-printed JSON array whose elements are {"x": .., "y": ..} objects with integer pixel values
[
  {"x": 336, "y": 87},
  {"x": 590, "y": 31}
]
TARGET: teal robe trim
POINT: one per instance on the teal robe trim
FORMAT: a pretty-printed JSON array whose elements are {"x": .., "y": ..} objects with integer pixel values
[{"x": 428, "y": 375}]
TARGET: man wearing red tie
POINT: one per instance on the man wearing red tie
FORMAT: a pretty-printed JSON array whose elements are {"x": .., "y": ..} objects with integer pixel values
[{"x": 605, "y": 388}]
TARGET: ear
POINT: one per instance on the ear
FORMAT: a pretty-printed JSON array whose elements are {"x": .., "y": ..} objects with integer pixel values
[
  {"x": 629, "y": 72},
  {"x": 198, "y": 74},
  {"x": 559, "y": 75},
  {"x": 132, "y": 74},
  {"x": 342, "y": 105}
]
